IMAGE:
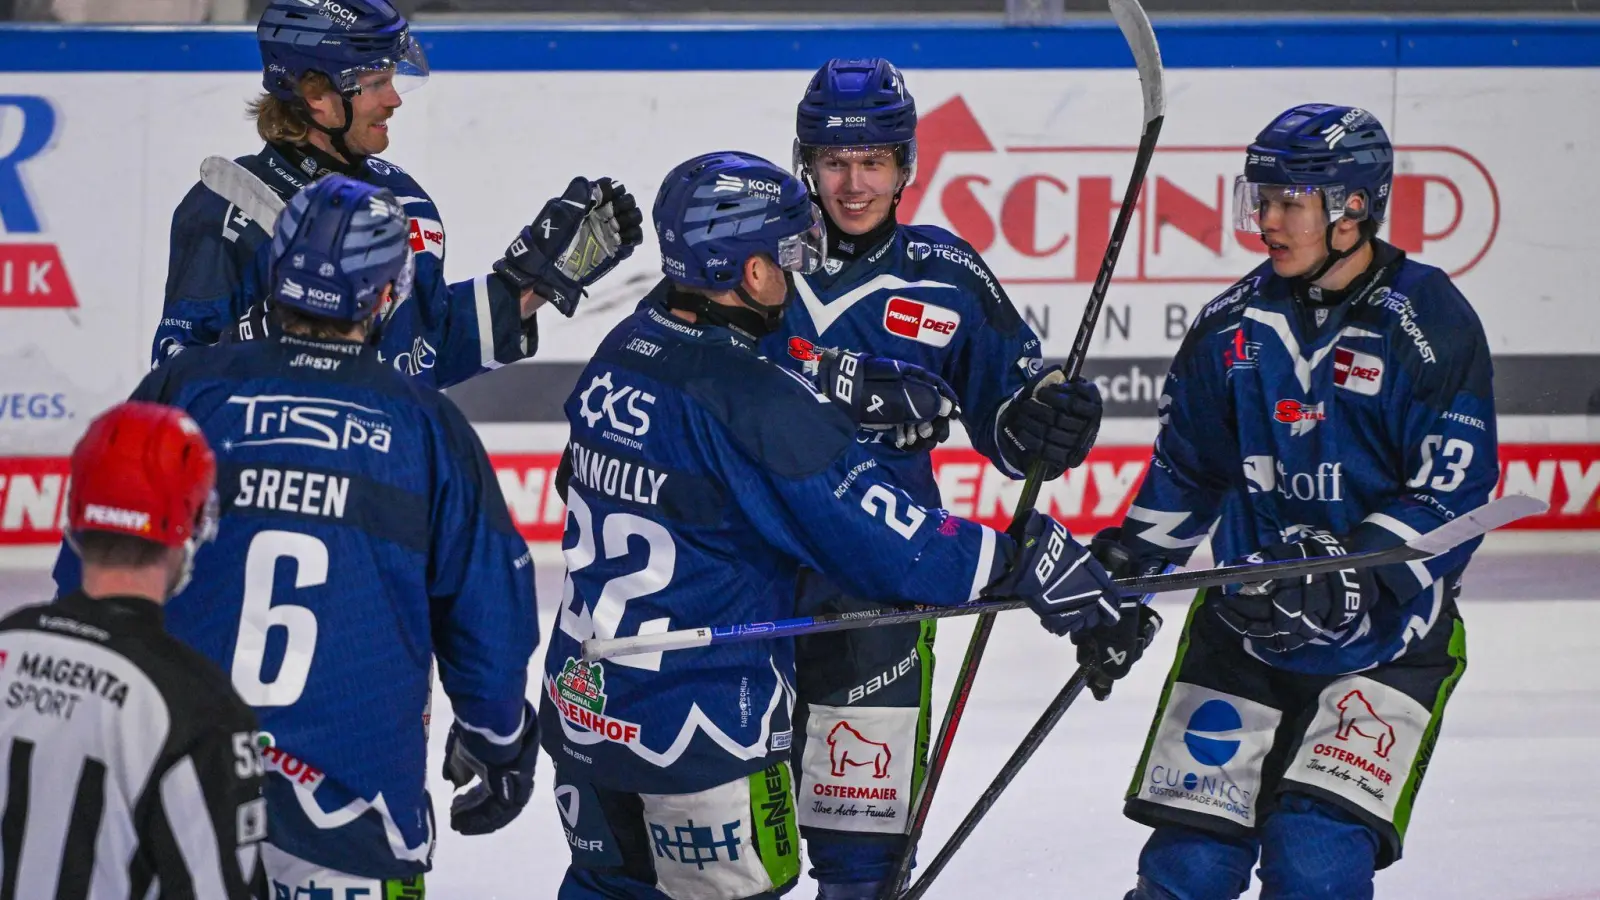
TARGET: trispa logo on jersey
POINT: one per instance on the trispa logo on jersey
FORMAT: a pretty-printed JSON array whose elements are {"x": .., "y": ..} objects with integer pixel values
[
  {"x": 32, "y": 274},
  {"x": 631, "y": 419},
  {"x": 924, "y": 323},
  {"x": 1264, "y": 474},
  {"x": 427, "y": 236},
  {"x": 1301, "y": 417},
  {"x": 1357, "y": 371},
  {"x": 318, "y": 422},
  {"x": 580, "y": 697}
]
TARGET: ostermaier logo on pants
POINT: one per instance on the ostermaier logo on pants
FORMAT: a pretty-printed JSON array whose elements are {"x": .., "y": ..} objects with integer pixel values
[{"x": 857, "y": 768}]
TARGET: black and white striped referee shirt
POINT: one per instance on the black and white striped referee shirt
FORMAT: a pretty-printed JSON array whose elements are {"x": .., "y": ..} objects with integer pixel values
[{"x": 127, "y": 764}]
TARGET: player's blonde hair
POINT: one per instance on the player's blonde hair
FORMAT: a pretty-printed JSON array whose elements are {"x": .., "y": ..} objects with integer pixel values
[{"x": 281, "y": 122}]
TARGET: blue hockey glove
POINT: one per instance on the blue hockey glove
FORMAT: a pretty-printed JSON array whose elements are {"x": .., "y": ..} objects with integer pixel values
[
  {"x": 504, "y": 773},
  {"x": 1065, "y": 585},
  {"x": 575, "y": 240},
  {"x": 1050, "y": 420},
  {"x": 907, "y": 404},
  {"x": 1287, "y": 613},
  {"x": 1110, "y": 650}
]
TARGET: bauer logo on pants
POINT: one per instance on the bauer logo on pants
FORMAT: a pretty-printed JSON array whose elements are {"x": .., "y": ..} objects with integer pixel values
[
  {"x": 1207, "y": 753},
  {"x": 857, "y": 768},
  {"x": 1361, "y": 744}
]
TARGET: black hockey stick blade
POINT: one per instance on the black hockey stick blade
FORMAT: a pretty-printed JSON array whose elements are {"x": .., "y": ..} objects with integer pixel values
[{"x": 240, "y": 186}]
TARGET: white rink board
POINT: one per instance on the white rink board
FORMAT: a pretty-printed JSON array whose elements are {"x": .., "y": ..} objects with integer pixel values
[{"x": 125, "y": 147}]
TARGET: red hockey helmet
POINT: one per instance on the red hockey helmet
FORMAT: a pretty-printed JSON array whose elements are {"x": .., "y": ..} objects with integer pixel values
[{"x": 144, "y": 469}]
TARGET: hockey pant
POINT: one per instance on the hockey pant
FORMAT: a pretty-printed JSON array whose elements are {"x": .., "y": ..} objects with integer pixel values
[
  {"x": 1316, "y": 774},
  {"x": 292, "y": 878},
  {"x": 735, "y": 841},
  {"x": 861, "y": 736}
]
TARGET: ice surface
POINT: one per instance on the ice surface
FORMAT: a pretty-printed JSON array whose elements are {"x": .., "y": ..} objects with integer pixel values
[{"x": 1510, "y": 809}]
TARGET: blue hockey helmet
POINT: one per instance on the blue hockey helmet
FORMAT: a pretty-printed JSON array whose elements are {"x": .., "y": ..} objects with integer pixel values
[
  {"x": 342, "y": 39},
  {"x": 854, "y": 104},
  {"x": 718, "y": 210},
  {"x": 336, "y": 246},
  {"x": 1336, "y": 152}
]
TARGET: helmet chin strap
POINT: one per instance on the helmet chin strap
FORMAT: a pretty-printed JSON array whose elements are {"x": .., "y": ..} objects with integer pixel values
[
  {"x": 1333, "y": 256},
  {"x": 754, "y": 319},
  {"x": 336, "y": 135}
]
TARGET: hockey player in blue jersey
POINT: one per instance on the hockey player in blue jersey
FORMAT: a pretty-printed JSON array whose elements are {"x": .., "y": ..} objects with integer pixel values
[
  {"x": 1337, "y": 399},
  {"x": 363, "y": 536},
  {"x": 920, "y": 294},
  {"x": 333, "y": 75},
  {"x": 701, "y": 477}
]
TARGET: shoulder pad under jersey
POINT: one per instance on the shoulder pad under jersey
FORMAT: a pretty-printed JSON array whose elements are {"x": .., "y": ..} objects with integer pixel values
[
  {"x": 933, "y": 253},
  {"x": 773, "y": 414}
]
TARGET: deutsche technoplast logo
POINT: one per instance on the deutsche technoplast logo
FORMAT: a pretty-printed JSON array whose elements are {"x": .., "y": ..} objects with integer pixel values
[{"x": 1210, "y": 719}]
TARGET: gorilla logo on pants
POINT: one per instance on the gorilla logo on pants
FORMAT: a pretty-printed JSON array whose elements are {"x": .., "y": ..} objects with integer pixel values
[
  {"x": 846, "y": 747},
  {"x": 1356, "y": 715}
]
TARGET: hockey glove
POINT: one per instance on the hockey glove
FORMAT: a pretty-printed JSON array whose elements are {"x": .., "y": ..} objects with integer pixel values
[
  {"x": 1287, "y": 613},
  {"x": 504, "y": 773},
  {"x": 1052, "y": 421},
  {"x": 1111, "y": 650},
  {"x": 903, "y": 403},
  {"x": 575, "y": 240},
  {"x": 1058, "y": 578}
]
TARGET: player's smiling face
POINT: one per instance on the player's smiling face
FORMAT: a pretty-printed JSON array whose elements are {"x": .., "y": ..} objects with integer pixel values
[
  {"x": 857, "y": 186},
  {"x": 1293, "y": 229},
  {"x": 370, "y": 110}
]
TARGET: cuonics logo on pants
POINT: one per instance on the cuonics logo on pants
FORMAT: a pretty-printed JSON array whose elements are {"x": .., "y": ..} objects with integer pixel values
[
  {"x": 1208, "y": 753},
  {"x": 1213, "y": 717}
]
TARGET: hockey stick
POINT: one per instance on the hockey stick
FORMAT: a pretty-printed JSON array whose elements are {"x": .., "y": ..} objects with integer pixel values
[
  {"x": 1481, "y": 521},
  {"x": 240, "y": 186},
  {"x": 1141, "y": 38}
]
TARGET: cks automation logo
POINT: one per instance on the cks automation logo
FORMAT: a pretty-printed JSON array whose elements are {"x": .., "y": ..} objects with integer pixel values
[
  {"x": 1042, "y": 214},
  {"x": 1210, "y": 739},
  {"x": 32, "y": 275}
]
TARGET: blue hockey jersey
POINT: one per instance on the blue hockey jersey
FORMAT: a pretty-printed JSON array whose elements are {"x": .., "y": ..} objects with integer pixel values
[
  {"x": 701, "y": 477},
  {"x": 925, "y": 297},
  {"x": 363, "y": 535},
  {"x": 217, "y": 269},
  {"x": 1376, "y": 424}
]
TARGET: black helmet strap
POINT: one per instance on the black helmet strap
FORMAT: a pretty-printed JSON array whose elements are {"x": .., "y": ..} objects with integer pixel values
[{"x": 335, "y": 135}]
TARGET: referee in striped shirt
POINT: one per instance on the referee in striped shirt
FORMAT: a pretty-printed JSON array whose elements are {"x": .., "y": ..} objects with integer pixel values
[{"x": 128, "y": 766}]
